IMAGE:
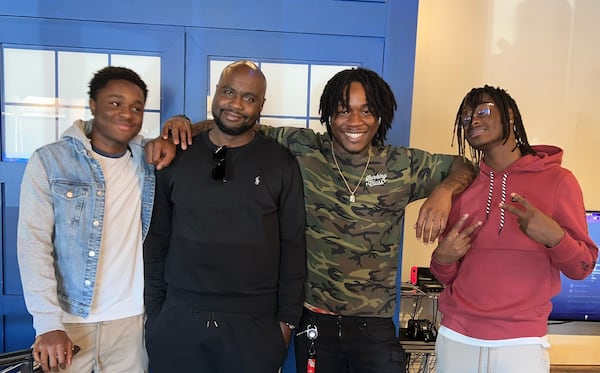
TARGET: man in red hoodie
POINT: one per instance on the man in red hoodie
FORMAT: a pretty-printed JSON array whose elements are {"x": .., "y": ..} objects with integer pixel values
[{"x": 511, "y": 233}]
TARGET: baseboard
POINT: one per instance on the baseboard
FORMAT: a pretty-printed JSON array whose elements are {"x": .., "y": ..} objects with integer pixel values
[{"x": 574, "y": 368}]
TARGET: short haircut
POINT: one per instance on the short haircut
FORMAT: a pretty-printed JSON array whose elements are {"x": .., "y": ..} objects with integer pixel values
[{"x": 105, "y": 75}]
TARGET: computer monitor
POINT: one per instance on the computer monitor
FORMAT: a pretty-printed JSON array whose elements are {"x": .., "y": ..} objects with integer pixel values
[{"x": 579, "y": 300}]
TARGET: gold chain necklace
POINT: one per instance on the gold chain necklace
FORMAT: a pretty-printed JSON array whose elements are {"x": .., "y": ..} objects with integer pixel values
[{"x": 352, "y": 198}]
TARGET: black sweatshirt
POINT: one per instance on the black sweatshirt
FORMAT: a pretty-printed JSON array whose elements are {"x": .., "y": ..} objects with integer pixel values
[{"x": 237, "y": 246}]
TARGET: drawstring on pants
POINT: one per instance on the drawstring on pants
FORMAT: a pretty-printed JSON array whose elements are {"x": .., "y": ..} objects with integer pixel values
[{"x": 211, "y": 319}]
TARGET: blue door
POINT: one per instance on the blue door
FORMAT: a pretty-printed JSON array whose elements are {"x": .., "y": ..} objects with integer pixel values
[{"x": 44, "y": 43}]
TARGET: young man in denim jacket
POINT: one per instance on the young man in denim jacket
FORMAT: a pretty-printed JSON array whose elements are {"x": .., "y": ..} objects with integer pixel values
[{"x": 86, "y": 203}]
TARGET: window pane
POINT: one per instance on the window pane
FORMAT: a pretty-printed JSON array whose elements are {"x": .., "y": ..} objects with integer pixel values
[
  {"x": 68, "y": 115},
  {"x": 28, "y": 75},
  {"x": 319, "y": 76},
  {"x": 26, "y": 129},
  {"x": 316, "y": 126},
  {"x": 151, "y": 125},
  {"x": 287, "y": 87},
  {"x": 283, "y": 122},
  {"x": 148, "y": 68},
  {"x": 75, "y": 70}
]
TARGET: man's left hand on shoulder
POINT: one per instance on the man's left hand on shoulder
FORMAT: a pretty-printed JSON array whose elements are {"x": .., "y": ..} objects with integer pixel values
[
  {"x": 159, "y": 152},
  {"x": 433, "y": 215}
]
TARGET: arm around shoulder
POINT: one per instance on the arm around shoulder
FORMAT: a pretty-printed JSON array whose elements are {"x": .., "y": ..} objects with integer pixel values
[
  {"x": 460, "y": 176},
  {"x": 433, "y": 214}
]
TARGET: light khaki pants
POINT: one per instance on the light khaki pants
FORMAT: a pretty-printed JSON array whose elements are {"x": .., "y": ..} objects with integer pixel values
[
  {"x": 455, "y": 357},
  {"x": 115, "y": 346}
]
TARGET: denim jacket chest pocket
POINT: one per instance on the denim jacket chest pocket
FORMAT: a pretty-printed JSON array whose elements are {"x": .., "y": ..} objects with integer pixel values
[{"x": 69, "y": 201}]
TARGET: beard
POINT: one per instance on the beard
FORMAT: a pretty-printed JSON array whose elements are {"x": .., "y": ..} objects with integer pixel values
[{"x": 231, "y": 131}]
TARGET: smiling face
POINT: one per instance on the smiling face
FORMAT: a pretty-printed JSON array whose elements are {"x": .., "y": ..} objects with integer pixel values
[
  {"x": 118, "y": 111},
  {"x": 484, "y": 130},
  {"x": 238, "y": 99},
  {"x": 353, "y": 128}
]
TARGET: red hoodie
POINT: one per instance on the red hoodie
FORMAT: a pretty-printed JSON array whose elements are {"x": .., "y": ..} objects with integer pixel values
[{"x": 502, "y": 287}]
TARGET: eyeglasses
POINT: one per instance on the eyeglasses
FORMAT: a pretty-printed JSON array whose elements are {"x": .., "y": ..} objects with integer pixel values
[
  {"x": 219, "y": 172},
  {"x": 481, "y": 111}
]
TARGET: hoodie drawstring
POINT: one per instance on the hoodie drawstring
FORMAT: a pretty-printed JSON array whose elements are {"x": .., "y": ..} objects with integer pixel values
[
  {"x": 490, "y": 194},
  {"x": 488, "y": 205},
  {"x": 504, "y": 177}
]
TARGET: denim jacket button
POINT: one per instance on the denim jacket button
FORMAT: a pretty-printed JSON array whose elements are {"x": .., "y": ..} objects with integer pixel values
[
  {"x": 96, "y": 223},
  {"x": 87, "y": 282},
  {"x": 91, "y": 253}
]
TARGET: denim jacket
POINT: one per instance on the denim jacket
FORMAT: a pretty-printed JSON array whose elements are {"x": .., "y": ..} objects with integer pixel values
[{"x": 61, "y": 222}]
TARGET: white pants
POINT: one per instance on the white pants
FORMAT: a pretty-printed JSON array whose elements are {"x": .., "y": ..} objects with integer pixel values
[
  {"x": 115, "y": 346},
  {"x": 456, "y": 357}
]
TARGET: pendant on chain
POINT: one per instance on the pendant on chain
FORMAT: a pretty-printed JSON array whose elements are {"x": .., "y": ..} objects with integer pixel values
[{"x": 351, "y": 197}]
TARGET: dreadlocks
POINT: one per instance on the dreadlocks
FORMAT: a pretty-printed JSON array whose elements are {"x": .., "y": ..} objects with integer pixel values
[
  {"x": 380, "y": 98},
  {"x": 505, "y": 105}
]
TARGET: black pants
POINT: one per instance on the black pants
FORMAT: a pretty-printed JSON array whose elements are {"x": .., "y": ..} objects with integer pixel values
[
  {"x": 347, "y": 344},
  {"x": 184, "y": 339}
]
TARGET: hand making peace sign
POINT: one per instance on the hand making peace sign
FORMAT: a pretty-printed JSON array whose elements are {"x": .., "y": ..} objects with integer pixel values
[{"x": 534, "y": 223}]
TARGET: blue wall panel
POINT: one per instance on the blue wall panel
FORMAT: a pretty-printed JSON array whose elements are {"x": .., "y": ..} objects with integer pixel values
[
  {"x": 399, "y": 64},
  {"x": 305, "y": 16}
]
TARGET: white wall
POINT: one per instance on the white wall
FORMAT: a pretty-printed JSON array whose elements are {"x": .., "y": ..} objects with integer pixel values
[{"x": 546, "y": 54}]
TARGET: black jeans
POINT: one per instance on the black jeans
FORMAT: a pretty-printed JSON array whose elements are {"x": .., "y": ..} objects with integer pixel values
[{"x": 348, "y": 344}]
